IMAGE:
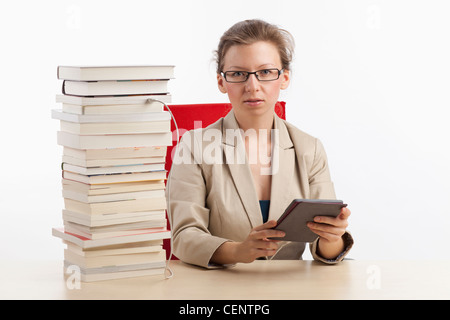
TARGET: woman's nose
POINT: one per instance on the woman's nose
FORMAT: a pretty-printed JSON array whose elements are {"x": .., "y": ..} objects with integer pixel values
[{"x": 252, "y": 83}]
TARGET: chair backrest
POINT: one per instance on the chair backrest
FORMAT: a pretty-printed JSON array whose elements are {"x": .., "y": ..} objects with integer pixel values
[{"x": 192, "y": 116}]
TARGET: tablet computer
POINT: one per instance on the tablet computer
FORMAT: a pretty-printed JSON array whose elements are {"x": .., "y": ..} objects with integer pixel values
[{"x": 301, "y": 211}]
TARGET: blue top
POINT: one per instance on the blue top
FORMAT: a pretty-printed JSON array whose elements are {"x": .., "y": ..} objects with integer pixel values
[{"x": 265, "y": 205}]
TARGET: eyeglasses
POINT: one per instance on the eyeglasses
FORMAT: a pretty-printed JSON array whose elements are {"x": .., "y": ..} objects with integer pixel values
[{"x": 242, "y": 76}]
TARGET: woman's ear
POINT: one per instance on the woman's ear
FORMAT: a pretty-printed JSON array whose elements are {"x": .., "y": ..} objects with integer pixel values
[
  {"x": 220, "y": 83},
  {"x": 285, "y": 79}
]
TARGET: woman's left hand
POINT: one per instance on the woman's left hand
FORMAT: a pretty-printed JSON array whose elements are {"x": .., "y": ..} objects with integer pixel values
[{"x": 331, "y": 229}]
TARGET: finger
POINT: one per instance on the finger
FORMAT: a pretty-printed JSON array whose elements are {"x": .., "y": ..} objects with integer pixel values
[
  {"x": 331, "y": 221},
  {"x": 327, "y": 236},
  {"x": 345, "y": 213},
  {"x": 267, "y": 233},
  {"x": 266, "y": 245},
  {"x": 265, "y": 248},
  {"x": 268, "y": 225},
  {"x": 343, "y": 216},
  {"x": 326, "y": 228}
]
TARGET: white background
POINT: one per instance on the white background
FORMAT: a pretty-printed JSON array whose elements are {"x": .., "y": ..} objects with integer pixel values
[{"x": 371, "y": 79}]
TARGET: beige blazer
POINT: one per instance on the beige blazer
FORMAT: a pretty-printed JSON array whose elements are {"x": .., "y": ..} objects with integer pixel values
[{"x": 212, "y": 198}]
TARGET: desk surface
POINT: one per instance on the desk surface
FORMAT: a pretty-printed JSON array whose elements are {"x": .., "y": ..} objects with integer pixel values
[{"x": 268, "y": 280}]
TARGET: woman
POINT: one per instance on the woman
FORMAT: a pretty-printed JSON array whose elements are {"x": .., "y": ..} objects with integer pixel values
[{"x": 232, "y": 180}]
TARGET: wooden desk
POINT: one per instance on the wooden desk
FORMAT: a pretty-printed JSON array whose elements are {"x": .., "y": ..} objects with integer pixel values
[{"x": 266, "y": 280}]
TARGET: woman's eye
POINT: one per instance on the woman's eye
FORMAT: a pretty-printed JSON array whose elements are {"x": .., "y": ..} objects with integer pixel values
[
  {"x": 265, "y": 72},
  {"x": 237, "y": 74}
]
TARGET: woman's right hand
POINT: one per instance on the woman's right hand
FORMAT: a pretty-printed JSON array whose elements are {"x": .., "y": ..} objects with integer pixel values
[{"x": 257, "y": 244}]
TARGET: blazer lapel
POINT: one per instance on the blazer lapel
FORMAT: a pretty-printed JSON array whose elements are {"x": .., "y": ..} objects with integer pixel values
[
  {"x": 283, "y": 165},
  {"x": 237, "y": 161}
]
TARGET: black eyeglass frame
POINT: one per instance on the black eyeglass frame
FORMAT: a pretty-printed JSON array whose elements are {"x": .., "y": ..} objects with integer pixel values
[{"x": 224, "y": 74}]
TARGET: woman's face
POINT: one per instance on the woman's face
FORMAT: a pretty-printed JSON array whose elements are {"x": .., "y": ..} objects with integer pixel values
[{"x": 253, "y": 97}]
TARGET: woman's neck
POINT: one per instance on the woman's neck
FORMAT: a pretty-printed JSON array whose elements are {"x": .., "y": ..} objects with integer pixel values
[{"x": 257, "y": 123}]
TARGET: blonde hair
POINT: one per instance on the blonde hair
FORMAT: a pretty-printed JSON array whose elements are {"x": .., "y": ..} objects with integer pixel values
[{"x": 250, "y": 31}]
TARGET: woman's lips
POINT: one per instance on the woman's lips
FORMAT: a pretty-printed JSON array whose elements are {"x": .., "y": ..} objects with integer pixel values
[{"x": 253, "y": 102}]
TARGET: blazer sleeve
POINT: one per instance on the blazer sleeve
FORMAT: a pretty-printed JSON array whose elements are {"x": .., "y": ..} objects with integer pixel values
[
  {"x": 348, "y": 243},
  {"x": 188, "y": 213},
  {"x": 321, "y": 187},
  {"x": 320, "y": 184}
]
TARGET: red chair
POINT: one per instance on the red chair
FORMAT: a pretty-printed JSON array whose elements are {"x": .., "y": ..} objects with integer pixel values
[{"x": 191, "y": 116}]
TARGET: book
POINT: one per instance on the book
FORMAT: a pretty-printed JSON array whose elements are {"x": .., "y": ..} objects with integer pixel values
[
  {"x": 301, "y": 211},
  {"x": 82, "y": 197},
  {"x": 113, "y": 109},
  {"x": 92, "y": 73},
  {"x": 116, "y": 153},
  {"x": 113, "y": 100},
  {"x": 136, "y": 247},
  {"x": 93, "y": 235},
  {"x": 113, "y": 272},
  {"x": 114, "y": 260},
  {"x": 88, "y": 243},
  {"x": 115, "y": 178},
  {"x": 77, "y": 141},
  {"x": 114, "y": 87},
  {"x": 123, "y": 228},
  {"x": 58, "y": 114},
  {"x": 111, "y": 188},
  {"x": 113, "y": 169},
  {"x": 111, "y": 162},
  {"x": 120, "y": 206},
  {"x": 115, "y": 127},
  {"x": 111, "y": 219}
]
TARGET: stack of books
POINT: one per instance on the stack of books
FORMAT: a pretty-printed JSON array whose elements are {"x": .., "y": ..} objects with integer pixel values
[{"x": 115, "y": 133}]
